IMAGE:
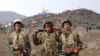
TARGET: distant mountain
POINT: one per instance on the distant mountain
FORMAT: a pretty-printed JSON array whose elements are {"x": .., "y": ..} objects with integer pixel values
[
  {"x": 82, "y": 17},
  {"x": 8, "y": 16}
]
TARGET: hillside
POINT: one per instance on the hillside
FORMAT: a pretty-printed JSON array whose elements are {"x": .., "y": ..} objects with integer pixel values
[
  {"x": 8, "y": 16},
  {"x": 82, "y": 17}
]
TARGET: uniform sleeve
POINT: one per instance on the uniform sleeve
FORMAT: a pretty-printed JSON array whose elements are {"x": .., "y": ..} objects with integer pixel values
[
  {"x": 58, "y": 41},
  {"x": 28, "y": 45},
  {"x": 77, "y": 40},
  {"x": 9, "y": 42}
]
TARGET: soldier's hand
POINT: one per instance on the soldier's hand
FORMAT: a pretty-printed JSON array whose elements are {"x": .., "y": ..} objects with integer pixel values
[
  {"x": 77, "y": 50},
  {"x": 35, "y": 32},
  {"x": 16, "y": 47}
]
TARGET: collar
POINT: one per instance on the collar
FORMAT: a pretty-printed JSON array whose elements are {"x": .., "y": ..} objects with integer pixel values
[{"x": 64, "y": 31}]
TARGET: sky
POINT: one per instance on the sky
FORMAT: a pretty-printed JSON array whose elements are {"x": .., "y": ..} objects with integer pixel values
[{"x": 32, "y": 7}]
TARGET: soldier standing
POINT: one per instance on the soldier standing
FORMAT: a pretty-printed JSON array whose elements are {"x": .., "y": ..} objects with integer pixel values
[
  {"x": 47, "y": 40},
  {"x": 71, "y": 44},
  {"x": 19, "y": 40}
]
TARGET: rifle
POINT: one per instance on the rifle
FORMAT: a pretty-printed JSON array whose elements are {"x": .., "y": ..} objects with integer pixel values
[{"x": 24, "y": 50}]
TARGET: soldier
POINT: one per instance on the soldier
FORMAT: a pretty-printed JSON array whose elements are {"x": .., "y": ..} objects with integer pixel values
[
  {"x": 19, "y": 40},
  {"x": 71, "y": 43},
  {"x": 47, "y": 40}
]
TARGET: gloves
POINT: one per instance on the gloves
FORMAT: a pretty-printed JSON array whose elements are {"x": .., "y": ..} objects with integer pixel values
[
  {"x": 73, "y": 51},
  {"x": 77, "y": 50},
  {"x": 70, "y": 51}
]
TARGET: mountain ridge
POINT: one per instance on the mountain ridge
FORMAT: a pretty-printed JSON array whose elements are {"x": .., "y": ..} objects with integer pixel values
[{"x": 8, "y": 16}]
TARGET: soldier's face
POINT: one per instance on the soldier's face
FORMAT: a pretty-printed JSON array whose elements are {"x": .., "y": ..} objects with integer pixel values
[
  {"x": 18, "y": 27},
  {"x": 48, "y": 27},
  {"x": 67, "y": 26}
]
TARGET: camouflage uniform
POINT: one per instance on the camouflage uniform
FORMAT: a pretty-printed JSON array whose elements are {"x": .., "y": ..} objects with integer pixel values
[
  {"x": 70, "y": 40},
  {"x": 47, "y": 41},
  {"x": 21, "y": 40}
]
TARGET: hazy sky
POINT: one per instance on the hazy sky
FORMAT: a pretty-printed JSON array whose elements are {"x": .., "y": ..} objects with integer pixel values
[{"x": 32, "y": 7}]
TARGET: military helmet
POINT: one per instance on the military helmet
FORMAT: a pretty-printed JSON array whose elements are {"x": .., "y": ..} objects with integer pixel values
[
  {"x": 49, "y": 22},
  {"x": 67, "y": 21},
  {"x": 18, "y": 21}
]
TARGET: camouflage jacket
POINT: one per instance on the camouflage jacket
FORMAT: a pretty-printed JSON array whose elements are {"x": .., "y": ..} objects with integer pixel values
[
  {"x": 48, "y": 43},
  {"x": 21, "y": 40},
  {"x": 70, "y": 40}
]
